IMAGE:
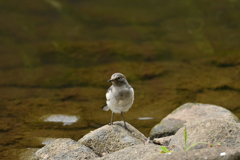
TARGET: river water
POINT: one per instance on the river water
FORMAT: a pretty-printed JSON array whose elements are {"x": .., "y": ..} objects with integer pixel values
[{"x": 57, "y": 55}]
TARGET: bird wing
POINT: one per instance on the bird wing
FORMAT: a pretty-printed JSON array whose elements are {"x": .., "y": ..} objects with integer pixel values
[
  {"x": 105, "y": 107},
  {"x": 108, "y": 93},
  {"x": 132, "y": 92}
]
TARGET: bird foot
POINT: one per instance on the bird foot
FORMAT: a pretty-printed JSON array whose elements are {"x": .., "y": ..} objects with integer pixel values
[
  {"x": 122, "y": 126},
  {"x": 127, "y": 129}
]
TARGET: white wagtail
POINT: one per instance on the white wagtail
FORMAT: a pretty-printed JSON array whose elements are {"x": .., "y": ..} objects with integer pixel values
[{"x": 119, "y": 96}]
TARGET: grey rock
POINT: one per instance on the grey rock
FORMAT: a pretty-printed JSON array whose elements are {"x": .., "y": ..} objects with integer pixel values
[
  {"x": 215, "y": 153},
  {"x": 210, "y": 131},
  {"x": 135, "y": 152},
  {"x": 164, "y": 141},
  {"x": 166, "y": 127},
  {"x": 152, "y": 152},
  {"x": 111, "y": 138},
  {"x": 64, "y": 148},
  {"x": 189, "y": 112}
]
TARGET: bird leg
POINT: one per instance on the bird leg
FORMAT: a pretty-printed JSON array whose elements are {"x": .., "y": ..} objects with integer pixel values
[
  {"x": 111, "y": 119},
  {"x": 125, "y": 126}
]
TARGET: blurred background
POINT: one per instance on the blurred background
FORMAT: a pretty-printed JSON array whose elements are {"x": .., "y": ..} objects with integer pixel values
[{"x": 57, "y": 55}]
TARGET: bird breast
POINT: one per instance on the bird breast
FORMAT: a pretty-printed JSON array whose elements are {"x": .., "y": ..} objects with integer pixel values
[{"x": 123, "y": 94}]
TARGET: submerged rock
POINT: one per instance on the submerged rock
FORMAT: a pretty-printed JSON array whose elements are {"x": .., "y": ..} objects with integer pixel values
[
  {"x": 27, "y": 154},
  {"x": 111, "y": 138},
  {"x": 65, "y": 119},
  {"x": 212, "y": 131},
  {"x": 64, "y": 148},
  {"x": 190, "y": 112}
]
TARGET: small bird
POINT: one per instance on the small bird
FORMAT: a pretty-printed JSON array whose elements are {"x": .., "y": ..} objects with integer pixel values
[{"x": 120, "y": 96}]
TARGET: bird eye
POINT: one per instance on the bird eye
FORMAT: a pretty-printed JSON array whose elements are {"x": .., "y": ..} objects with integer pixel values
[{"x": 118, "y": 77}]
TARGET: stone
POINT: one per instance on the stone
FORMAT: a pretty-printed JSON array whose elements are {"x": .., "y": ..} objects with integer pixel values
[
  {"x": 214, "y": 153},
  {"x": 64, "y": 148},
  {"x": 111, "y": 138},
  {"x": 135, "y": 152},
  {"x": 166, "y": 127},
  {"x": 212, "y": 131},
  {"x": 152, "y": 152},
  {"x": 164, "y": 141},
  {"x": 189, "y": 112}
]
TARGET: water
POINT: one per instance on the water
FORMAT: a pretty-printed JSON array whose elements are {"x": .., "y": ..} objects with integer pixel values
[{"x": 56, "y": 57}]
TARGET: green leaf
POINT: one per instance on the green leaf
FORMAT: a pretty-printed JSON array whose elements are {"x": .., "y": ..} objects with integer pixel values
[
  {"x": 164, "y": 149},
  {"x": 185, "y": 139}
]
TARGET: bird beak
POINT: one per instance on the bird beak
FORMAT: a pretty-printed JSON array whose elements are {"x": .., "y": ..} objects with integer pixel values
[{"x": 110, "y": 80}]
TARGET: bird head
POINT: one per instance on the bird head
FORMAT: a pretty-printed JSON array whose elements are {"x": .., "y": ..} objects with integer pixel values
[{"x": 118, "y": 79}]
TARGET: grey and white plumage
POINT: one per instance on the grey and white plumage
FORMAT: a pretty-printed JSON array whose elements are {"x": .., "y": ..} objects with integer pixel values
[{"x": 120, "y": 96}]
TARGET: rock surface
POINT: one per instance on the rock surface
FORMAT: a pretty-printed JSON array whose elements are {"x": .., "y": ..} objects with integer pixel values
[
  {"x": 211, "y": 131},
  {"x": 133, "y": 152},
  {"x": 216, "y": 153},
  {"x": 111, "y": 138},
  {"x": 164, "y": 141},
  {"x": 64, "y": 148},
  {"x": 189, "y": 112},
  {"x": 152, "y": 152}
]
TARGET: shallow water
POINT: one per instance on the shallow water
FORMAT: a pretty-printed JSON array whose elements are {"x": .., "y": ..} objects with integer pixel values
[{"x": 56, "y": 57}]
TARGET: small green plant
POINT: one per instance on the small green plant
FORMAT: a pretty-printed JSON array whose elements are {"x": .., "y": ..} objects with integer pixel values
[
  {"x": 165, "y": 149},
  {"x": 185, "y": 138}
]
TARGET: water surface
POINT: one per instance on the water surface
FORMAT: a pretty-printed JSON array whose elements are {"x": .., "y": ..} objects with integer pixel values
[{"x": 57, "y": 55}]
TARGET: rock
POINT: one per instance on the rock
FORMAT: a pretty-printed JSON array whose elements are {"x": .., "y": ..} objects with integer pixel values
[
  {"x": 64, "y": 148},
  {"x": 152, "y": 152},
  {"x": 111, "y": 138},
  {"x": 211, "y": 131},
  {"x": 164, "y": 141},
  {"x": 133, "y": 152},
  {"x": 189, "y": 112},
  {"x": 166, "y": 127},
  {"x": 215, "y": 153}
]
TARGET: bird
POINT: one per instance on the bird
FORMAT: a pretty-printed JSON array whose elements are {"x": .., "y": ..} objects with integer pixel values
[{"x": 120, "y": 96}]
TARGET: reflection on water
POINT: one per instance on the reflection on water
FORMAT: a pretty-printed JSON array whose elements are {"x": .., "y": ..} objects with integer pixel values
[
  {"x": 65, "y": 119},
  {"x": 145, "y": 118}
]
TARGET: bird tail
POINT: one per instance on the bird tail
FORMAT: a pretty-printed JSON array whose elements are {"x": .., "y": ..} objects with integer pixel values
[{"x": 105, "y": 108}]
